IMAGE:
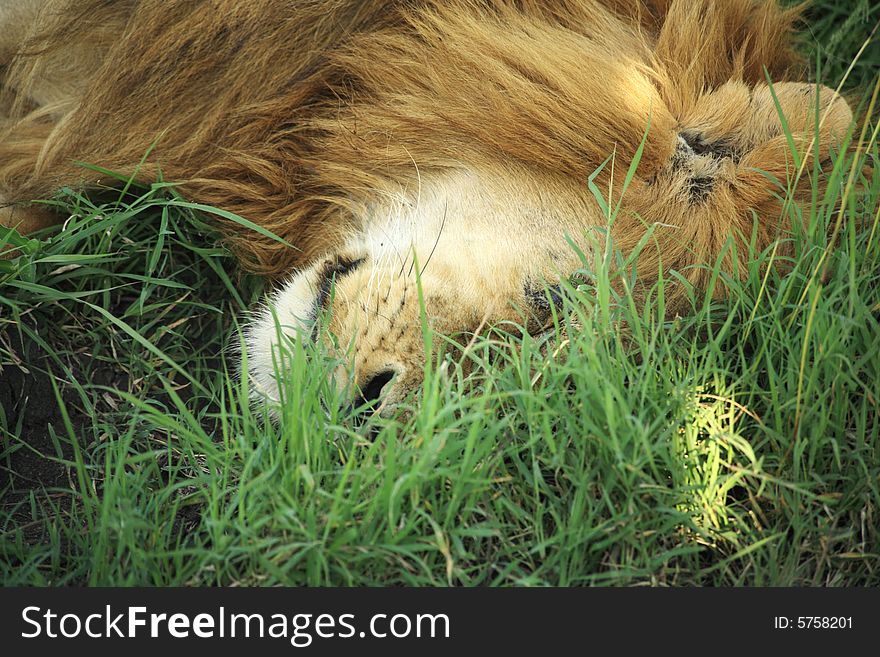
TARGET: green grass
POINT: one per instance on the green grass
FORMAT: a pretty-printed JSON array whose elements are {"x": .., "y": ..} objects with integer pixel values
[{"x": 737, "y": 444}]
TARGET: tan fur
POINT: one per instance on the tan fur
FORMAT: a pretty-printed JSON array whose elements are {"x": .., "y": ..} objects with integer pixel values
[{"x": 317, "y": 119}]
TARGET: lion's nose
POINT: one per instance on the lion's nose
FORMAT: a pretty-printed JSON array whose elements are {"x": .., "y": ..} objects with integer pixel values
[{"x": 372, "y": 388}]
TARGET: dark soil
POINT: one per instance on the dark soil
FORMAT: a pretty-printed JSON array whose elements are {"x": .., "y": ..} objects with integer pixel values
[
  {"x": 35, "y": 444},
  {"x": 31, "y": 459},
  {"x": 31, "y": 408}
]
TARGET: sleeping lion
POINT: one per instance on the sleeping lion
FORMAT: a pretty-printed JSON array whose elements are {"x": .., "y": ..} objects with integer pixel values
[{"x": 415, "y": 154}]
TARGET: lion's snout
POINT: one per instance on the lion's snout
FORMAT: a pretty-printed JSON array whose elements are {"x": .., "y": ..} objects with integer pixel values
[{"x": 385, "y": 389}]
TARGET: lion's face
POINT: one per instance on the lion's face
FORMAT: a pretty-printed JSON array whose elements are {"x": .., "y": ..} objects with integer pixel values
[
  {"x": 476, "y": 247},
  {"x": 473, "y": 248}
]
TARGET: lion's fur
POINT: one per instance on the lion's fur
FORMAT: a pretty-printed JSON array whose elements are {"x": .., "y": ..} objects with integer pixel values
[
  {"x": 303, "y": 116},
  {"x": 366, "y": 88}
]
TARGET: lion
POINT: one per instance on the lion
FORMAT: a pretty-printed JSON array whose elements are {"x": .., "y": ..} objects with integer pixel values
[{"x": 422, "y": 160}]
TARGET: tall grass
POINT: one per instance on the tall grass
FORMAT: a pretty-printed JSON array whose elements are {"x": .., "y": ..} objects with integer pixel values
[{"x": 736, "y": 444}]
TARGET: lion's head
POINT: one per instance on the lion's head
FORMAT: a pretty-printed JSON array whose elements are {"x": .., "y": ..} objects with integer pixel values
[{"x": 481, "y": 246}]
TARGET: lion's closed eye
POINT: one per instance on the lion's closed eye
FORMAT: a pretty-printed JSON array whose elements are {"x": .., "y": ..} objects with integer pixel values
[{"x": 334, "y": 270}]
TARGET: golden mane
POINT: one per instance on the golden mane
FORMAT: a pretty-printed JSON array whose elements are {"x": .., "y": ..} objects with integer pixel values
[{"x": 291, "y": 114}]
